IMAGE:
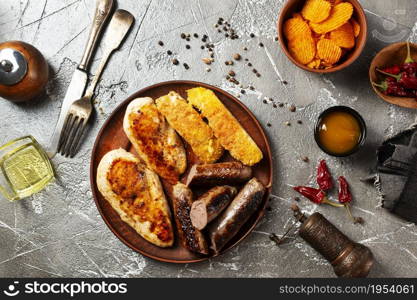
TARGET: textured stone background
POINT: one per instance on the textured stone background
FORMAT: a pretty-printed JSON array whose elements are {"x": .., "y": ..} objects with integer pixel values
[{"x": 59, "y": 232}]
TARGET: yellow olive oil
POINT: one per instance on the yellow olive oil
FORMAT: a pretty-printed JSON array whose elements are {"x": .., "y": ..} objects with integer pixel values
[{"x": 26, "y": 169}]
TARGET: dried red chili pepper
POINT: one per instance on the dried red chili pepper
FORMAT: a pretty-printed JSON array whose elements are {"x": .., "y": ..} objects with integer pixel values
[
  {"x": 344, "y": 193},
  {"x": 324, "y": 179},
  {"x": 395, "y": 70},
  {"x": 404, "y": 79},
  {"x": 345, "y": 197},
  {"x": 315, "y": 195},
  {"x": 392, "y": 88}
]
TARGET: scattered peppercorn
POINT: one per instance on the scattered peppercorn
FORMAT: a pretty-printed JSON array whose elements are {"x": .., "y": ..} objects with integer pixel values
[
  {"x": 242, "y": 91},
  {"x": 175, "y": 61},
  {"x": 249, "y": 64},
  {"x": 293, "y": 108},
  {"x": 232, "y": 73},
  {"x": 274, "y": 105},
  {"x": 169, "y": 52},
  {"x": 187, "y": 46},
  {"x": 287, "y": 123},
  {"x": 276, "y": 38},
  {"x": 183, "y": 36},
  {"x": 229, "y": 63},
  {"x": 251, "y": 88},
  {"x": 265, "y": 101},
  {"x": 268, "y": 124},
  {"x": 186, "y": 66},
  {"x": 281, "y": 104},
  {"x": 297, "y": 199},
  {"x": 252, "y": 35},
  {"x": 285, "y": 82},
  {"x": 246, "y": 49},
  {"x": 254, "y": 70},
  {"x": 237, "y": 56},
  {"x": 161, "y": 43},
  {"x": 196, "y": 35},
  {"x": 300, "y": 122},
  {"x": 187, "y": 39},
  {"x": 305, "y": 159},
  {"x": 202, "y": 47},
  {"x": 258, "y": 75},
  {"x": 261, "y": 44}
]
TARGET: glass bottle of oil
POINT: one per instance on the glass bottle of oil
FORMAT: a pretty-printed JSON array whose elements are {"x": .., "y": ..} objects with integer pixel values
[{"x": 25, "y": 168}]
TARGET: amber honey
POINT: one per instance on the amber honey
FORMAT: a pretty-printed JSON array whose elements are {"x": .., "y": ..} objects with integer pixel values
[{"x": 339, "y": 132}]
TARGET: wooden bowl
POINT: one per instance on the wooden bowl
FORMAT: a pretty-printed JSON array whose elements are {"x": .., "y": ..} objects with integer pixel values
[
  {"x": 391, "y": 55},
  {"x": 112, "y": 136},
  {"x": 293, "y": 6}
]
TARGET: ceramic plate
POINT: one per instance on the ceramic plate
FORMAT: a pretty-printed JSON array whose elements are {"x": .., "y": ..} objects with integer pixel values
[{"x": 112, "y": 136}]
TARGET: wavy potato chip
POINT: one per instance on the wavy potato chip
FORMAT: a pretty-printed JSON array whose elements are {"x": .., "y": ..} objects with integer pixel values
[
  {"x": 302, "y": 49},
  {"x": 316, "y": 10},
  {"x": 343, "y": 36},
  {"x": 340, "y": 14},
  {"x": 356, "y": 27},
  {"x": 296, "y": 28},
  {"x": 328, "y": 51},
  {"x": 315, "y": 63}
]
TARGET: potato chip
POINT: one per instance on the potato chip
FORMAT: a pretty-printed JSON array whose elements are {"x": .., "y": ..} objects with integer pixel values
[
  {"x": 340, "y": 14},
  {"x": 328, "y": 51},
  {"x": 314, "y": 64},
  {"x": 316, "y": 10},
  {"x": 302, "y": 49},
  {"x": 356, "y": 27},
  {"x": 343, "y": 36},
  {"x": 296, "y": 28}
]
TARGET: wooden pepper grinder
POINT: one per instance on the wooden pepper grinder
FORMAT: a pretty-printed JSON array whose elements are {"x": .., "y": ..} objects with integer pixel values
[{"x": 24, "y": 71}]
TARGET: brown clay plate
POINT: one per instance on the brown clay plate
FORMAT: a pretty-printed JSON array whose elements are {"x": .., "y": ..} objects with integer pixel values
[{"x": 112, "y": 136}]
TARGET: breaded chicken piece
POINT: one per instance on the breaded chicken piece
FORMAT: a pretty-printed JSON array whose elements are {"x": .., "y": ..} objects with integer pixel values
[
  {"x": 189, "y": 124},
  {"x": 136, "y": 194},
  {"x": 157, "y": 143},
  {"x": 226, "y": 128}
]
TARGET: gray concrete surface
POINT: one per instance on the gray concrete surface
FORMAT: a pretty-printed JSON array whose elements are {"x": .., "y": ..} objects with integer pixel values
[{"x": 59, "y": 231}]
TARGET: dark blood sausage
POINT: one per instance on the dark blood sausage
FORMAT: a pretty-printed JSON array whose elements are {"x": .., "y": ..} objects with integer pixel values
[
  {"x": 219, "y": 174},
  {"x": 206, "y": 208},
  {"x": 231, "y": 220},
  {"x": 190, "y": 237}
]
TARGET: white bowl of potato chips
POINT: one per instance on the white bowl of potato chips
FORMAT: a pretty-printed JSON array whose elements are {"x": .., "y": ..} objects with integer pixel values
[{"x": 322, "y": 36}]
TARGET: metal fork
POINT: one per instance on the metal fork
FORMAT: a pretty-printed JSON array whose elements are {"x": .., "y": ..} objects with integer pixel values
[{"x": 80, "y": 111}]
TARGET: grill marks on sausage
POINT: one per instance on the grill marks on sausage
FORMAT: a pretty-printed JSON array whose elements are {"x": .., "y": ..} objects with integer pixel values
[
  {"x": 129, "y": 182},
  {"x": 150, "y": 133},
  {"x": 219, "y": 174},
  {"x": 225, "y": 227},
  {"x": 190, "y": 237},
  {"x": 210, "y": 205}
]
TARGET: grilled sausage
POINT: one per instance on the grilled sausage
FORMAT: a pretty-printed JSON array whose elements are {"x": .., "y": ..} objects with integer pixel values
[
  {"x": 219, "y": 174},
  {"x": 190, "y": 237},
  {"x": 206, "y": 208},
  {"x": 231, "y": 220}
]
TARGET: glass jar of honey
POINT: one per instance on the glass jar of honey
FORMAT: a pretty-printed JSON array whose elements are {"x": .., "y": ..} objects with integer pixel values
[
  {"x": 25, "y": 168},
  {"x": 340, "y": 131}
]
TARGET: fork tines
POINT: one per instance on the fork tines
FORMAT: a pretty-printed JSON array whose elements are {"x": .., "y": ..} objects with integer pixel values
[{"x": 73, "y": 130}]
